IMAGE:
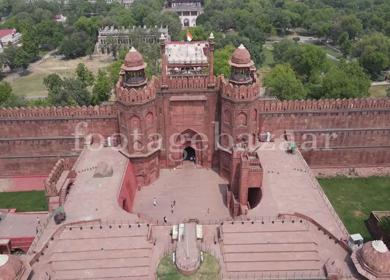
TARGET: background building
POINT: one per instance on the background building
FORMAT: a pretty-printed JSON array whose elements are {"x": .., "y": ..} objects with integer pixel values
[
  {"x": 188, "y": 10},
  {"x": 9, "y": 35},
  {"x": 123, "y": 37}
]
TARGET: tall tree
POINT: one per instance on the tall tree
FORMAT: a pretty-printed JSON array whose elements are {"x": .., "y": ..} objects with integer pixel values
[
  {"x": 346, "y": 80},
  {"x": 84, "y": 75},
  {"x": 102, "y": 88},
  {"x": 352, "y": 25},
  {"x": 282, "y": 83}
]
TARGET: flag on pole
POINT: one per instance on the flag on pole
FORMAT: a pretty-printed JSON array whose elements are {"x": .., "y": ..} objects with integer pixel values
[{"x": 189, "y": 36}]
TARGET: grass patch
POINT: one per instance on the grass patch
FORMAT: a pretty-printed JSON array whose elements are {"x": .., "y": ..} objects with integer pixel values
[
  {"x": 331, "y": 51},
  {"x": 167, "y": 270},
  {"x": 29, "y": 201},
  {"x": 355, "y": 198},
  {"x": 378, "y": 91},
  {"x": 332, "y": 62},
  {"x": 31, "y": 83},
  {"x": 269, "y": 57}
]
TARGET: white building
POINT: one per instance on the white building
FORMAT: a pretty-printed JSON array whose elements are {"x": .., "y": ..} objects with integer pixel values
[
  {"x": 188, "y": 10},
  {"x": 9, "y": 35}
]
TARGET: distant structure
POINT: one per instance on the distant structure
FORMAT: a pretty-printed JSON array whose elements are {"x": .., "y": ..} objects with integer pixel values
[
  {"x": 123, "y": 37},
  {"x": 9, "y": 35},
  {"x": 188, "y": 10},
  {"x": 60, "y": 18},
  {"x": 125, "y": 3}
]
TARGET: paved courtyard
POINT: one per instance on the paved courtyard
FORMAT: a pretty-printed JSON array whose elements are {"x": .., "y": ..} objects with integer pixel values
[{"x": 194, "y": 190}]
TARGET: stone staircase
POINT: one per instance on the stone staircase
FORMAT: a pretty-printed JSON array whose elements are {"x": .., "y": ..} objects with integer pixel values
[
  {"x": 269, "y": 247},
  {"x": 102, "y": 253}
]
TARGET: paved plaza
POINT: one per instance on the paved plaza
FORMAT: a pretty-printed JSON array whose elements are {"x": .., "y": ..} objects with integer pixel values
[{"x": 199, "y": 193}]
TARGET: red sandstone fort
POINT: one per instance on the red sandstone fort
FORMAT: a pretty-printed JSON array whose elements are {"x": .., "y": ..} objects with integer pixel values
[{"x": 192, "y": 138}]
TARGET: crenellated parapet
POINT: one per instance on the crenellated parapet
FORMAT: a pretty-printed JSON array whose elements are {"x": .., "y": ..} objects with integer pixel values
[
  {"x": 140, "y": 95},
  {"x": 324, "y": 104},
  {"x": 58, "y": 112},
  {"x": 243, "y": 92}
]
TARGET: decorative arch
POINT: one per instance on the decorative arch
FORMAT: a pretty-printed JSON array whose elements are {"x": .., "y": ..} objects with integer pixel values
[
  {"x": 227, "y": 116},
  {"x": 186, "y": 22},
  {"x": 241, "y": 119},
  {"x": 122, "y": 119},
  {"x": 254, "y": 115},
  {"x": 149, "y": 118},
  {"x": 135, "y": 122}
]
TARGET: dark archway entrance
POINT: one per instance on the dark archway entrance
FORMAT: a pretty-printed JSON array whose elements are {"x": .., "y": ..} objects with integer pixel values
[{"x": 189, "y": 154}]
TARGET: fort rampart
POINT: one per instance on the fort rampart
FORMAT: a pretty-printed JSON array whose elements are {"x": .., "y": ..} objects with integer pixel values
[{"x": 32, "y": 139}]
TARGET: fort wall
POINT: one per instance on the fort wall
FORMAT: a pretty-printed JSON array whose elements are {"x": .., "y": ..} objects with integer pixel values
[
  {"x": 128, "y": 189},
  {"x": 32, "y": 139}
]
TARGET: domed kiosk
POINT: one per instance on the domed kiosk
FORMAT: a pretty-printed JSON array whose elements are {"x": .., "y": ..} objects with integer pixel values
[
  {"x": 10, "y": 267},
  {"x": 133, "y": 70},
  {"x": 372, "y": 260},
  {"x": 242, "y": 67}
]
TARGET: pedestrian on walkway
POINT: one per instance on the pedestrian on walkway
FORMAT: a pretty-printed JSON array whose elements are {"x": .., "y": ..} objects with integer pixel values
[
  {"x": 38, "y": 221},
  {"x": 174, "y": 203},
  {"x": 155, "y": 202},
  {"x": 36, "y": 230},
  {"x": 165, "y": 219},
  {"x": 172, "y": 208},
  {"x": 208, "y": 210}
]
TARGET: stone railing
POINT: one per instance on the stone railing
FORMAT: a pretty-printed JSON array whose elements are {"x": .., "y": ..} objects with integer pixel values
[
  {"x": 188, "y": 82},
  {"x": 325, "y": 104},
  {"x": 58, "y": 112}
]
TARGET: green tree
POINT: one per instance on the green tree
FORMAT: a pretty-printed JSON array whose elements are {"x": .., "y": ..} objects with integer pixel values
[
  {"x": 5, "y": 91},
  {"x": 71, "y": 92},
  {"x": 102, "y": 88},
  {"x": 84, "y": 75},
  {"x": 374, "y": 62},
  {"x": 346, "y": 80},
  {"x": 282, "y": 83},
  {"x": 221, "y": 58},
  {"x": 345, "y": 48},
  {"x": 352, "y": 25},
  {"x": 31, "y": 43},
  {"x": 52, "y": 81},
  {"x": 172, "y": 20},
  {"x": 88, "y": 25},
  {"x": 307, "y": 60}
]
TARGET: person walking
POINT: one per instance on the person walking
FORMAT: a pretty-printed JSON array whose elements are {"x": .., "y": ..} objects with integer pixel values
[
  {"x": 172, "y": 208},
  {"x": 174, "y": 203},
  {"x": 38, "y": 221},
  {"x": 36, "y": 230},
  {"x": 165, "y": 219},
  {"x": 155, "y": 202}
]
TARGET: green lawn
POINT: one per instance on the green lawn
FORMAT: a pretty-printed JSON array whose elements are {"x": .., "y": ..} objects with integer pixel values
[
  {"x": 378, "y": 91},
  {"x": 269, "y": 57},
  {"x": 355, "y": 198},
  {"x": 331, "y": 51},
  {"x": 208, "y": 270},
  {"x": 332, "y": 62},
  {"x": 30, "y": 201}
]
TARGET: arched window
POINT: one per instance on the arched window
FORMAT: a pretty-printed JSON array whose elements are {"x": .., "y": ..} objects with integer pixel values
[
  {"x": 241, "y": 119},
  {"x": 149, "y": 118},
  {"x": 135, "y": 122},
  {"x": 227, "y": 117}
]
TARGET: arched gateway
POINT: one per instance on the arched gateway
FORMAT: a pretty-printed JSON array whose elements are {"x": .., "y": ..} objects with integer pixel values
[{"x": 188, "y": 146}]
